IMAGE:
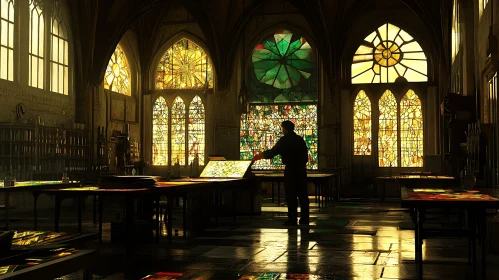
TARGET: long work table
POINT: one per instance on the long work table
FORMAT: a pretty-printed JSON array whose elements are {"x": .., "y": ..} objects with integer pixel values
[
  {"x": 324, "y": 184},
  {"x": 413, "y": 181},
  {"x": 170, "y": 189},
  {"x": 473, "y": 201},
  {"x": 36, "y": 188}
]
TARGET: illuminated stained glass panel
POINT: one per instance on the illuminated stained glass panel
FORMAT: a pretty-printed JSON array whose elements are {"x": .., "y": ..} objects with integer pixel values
[
  {"x": 7, "y": 40},
  {"x": 283, "y": 60},
  {"x": 411, "y": 130},
  {"x": 178, "y": 131},
  {"x": 36, "y": 45},
  {"x": 117, "y": 77},
  {"x": 225, "y": 169},
  {"x": 261, "y": 129},
  {"x": 362, "y": 126},
  {"x": 160, "y": 132},
  {"x": 196, "y": 130},
  {"x": 387, "y": 134},
  {"x": 59, "y": 62},
  {"x": 185, "y": 65},
  {"x": 387, "y": 54}
]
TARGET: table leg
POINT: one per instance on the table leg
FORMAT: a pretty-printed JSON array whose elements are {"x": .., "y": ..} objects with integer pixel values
[
  {"x": 184, "y": 215},
  {"x": 128, "y": 225},
  {"x": 272, "y": 192},
  {"x": 101, "y": 209},
  {"x": 217, "y": 202},
  {"x": 170, "y": 218},
  {"x": 79, "y": 213},
  {"x": 7, "y": 210},
  {"x": 472, "y": 232},
  {"x": 483, "y": 236},
  {"x": 35, "y": 210},
  {"x": 234, "y": 197},
  {"x": 316, "y": 193},
  {"x": 57, "y": 213},
  {"x": 419, "y": 242},
  {"x": 279, "y": 193},
  {"x": 94, "y": 210},
  {"x": 158, "y": 214}
]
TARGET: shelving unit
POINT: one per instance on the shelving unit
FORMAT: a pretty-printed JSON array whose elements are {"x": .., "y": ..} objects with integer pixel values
[{"x": 33, "y": 152}]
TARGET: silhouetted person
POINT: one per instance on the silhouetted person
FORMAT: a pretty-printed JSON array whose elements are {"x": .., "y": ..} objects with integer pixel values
[{"x": 294, "y": 153}]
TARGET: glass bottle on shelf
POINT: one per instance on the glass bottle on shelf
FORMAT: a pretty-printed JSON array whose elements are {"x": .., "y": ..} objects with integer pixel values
[{"x": 9, "y": 181}]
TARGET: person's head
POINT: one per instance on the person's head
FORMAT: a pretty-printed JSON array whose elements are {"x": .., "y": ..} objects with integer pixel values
[{"x": 287, "y": 126}]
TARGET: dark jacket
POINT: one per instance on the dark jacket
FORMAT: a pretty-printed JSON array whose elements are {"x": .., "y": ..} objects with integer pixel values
[{"x": 293, "y": 150}]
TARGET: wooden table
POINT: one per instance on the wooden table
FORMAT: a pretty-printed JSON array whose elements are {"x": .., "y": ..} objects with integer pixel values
[
  {"x": 36, "y": 188},
  {"x": 56, "y": 264},
  {"x": 323, "y": 183},
  {"x": 414, "y": 181},
  {"x": 474, "y": 202}
]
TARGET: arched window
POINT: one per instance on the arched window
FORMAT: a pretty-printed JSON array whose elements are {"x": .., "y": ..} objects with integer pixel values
[
  {"x": 196, "y": 130},
  {"x": 387, "y": 132},
  {"x": 178, "y": 131},
  {"x": 59, "y": 60},
  {"x": 456, "y": 29},
  {"x": 184, "y": 65},
  {"x": 117, "y": 77},
  {"x": 388, "y": 54},
  {"x": 282, "y": 85},
  {"x": 7, "y": 40},
  {"x": 362, "y": 126},
  {"x": 36, "y": 45},
  {"x": 160, "y": 132},
  {"x": 411, "y": 130}
]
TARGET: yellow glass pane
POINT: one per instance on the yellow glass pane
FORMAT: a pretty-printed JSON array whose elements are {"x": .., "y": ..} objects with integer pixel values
[
  {"x": 411, "y": 130},
  {"x": 392, "y": 48},
  {"x": 362, "y": 124},
  {"x": 117, "y": 76},
  {"x": 196, "y": 130},
  {"x": 160, "y": 132},
  {"x": 185, "y": 65},
  {"x": 178, "y": 131},
  {"x": 387, "y": 133},
  {"x": 36, "y": 45}
]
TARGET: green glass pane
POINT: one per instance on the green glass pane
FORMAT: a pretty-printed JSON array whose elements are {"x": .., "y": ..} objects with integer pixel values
[
  {"x": 283, "y": 47},
  {"x": 293, "y": 47}
]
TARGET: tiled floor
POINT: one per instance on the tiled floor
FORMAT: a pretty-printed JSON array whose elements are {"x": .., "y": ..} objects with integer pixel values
[{"x": 351, "y": 240}]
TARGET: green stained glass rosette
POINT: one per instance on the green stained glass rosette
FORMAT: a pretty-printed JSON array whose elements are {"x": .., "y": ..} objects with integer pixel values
[{"x": 283, "y": 61}]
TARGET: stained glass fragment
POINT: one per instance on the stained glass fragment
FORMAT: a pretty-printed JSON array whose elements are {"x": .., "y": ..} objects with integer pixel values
[
  {"x": 362, "y": 125},
  {"x": 411, "y": 130},
  {"x": 386, "y": 54},
  {"x": 117, "y": 76},
  {"x": 185, "y": 65},
  {"x": 178, "y": 131},
  {"x": 387, "y": 133},
  {"x": 160, "y": 132},
  {"x": 7, "y": 40},
  {"x": 261, "y": 129},
  {"x": 196, "y": 130}
]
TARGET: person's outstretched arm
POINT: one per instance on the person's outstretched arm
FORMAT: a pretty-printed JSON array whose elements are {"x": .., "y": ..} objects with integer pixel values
[{"x": 268, "y": 154}]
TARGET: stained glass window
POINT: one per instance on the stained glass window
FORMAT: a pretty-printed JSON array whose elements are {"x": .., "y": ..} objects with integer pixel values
[
  {"x": 196, "y": 130},
  {"x": 362, "y": 124},
  {"x": 59, "y": 64},
  {"x": 284, "y": 67},
  {"x": 387, "y": 54},
  {"x": 36, "y": 45},
  {"x": 160, "y": 132},
  {"x": 117, "y": 77},
  {"x": 7, "y": 40},
  {"x": 185, "y": 65},
  {"x": 261, "y": 129},
  {"x": 411, "y": 130},
  {"x": 456, "y": 29},
  {"x": 178, "y": 131},
  {"x": 387, "y": 133}
]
